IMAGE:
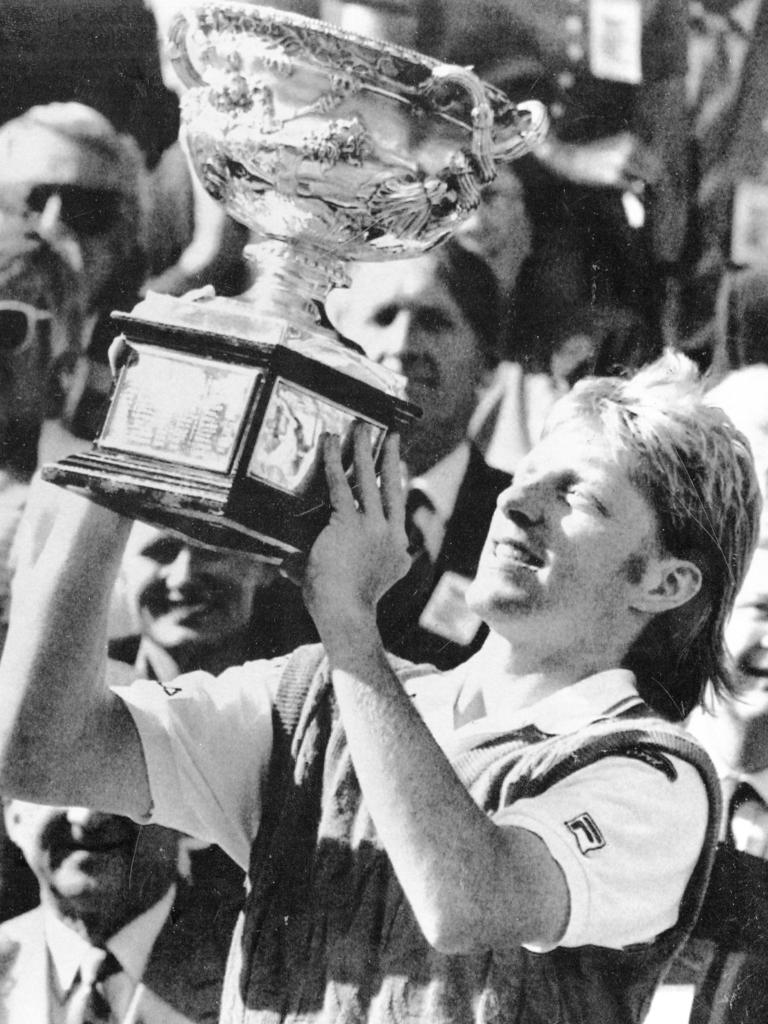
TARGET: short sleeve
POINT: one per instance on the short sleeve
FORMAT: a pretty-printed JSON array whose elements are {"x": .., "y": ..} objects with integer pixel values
[
  {"x": 627, "y": 837},
  {"x": 207, "y": 742}
]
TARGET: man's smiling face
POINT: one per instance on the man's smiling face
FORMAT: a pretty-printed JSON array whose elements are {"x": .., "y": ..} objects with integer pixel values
[
  {"x": 566, "y": 545},
  {"x": 746, "y": 637},
  {"x": 188, "y": 596}
]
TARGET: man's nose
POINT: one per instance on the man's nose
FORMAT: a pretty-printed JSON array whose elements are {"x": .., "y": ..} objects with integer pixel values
[
  {"x": 392, "y": 340},
  {"x": 50, "y": 224},
  {"x": 178, "y": 572},
  {"x": 523, "y": 498},
  {"x": 52, "y": 227},
  {"x": 83, "y": 817}
]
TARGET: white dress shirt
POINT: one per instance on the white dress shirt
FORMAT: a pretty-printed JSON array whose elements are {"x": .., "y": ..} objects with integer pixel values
[{"x": 131, "y": 946}]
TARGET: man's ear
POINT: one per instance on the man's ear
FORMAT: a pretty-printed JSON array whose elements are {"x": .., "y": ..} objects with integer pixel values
[{"x": 666, "y": 583}]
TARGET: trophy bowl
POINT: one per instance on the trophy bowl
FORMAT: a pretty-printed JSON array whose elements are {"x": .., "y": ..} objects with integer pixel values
[{"x": 331, "y": 148}]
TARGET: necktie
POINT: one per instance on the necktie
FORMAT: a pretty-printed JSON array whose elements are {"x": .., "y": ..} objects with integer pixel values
[{"x": 88, "y": 1003}]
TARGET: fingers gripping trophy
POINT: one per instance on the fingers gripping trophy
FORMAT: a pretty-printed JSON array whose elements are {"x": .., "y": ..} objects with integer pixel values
[{"x": 330, "y": 147}]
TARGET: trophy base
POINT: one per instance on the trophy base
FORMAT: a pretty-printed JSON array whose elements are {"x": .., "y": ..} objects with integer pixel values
[
  {"x": 198, "y": 506},
  {"x": 217, "y": 436}
]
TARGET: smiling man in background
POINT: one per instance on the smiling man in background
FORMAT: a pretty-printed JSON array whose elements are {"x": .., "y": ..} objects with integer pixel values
[{"x": 195, "y": 607}]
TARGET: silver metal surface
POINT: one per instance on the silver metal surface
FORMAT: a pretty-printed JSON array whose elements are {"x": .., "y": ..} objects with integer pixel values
[{"x": 332, "y": 147}]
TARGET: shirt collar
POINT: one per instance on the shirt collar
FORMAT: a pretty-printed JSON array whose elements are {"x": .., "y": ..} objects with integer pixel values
[
  {"x": 131, "y": 946},
  {"x": 154, "y": 662},
  {"x": 602, "y": 695},
  {"x": 573, "y": 707},
  {"x": 441, "y": 482}
]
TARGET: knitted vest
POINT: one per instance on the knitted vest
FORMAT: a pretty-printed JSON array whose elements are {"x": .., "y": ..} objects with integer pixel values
[{"x": 327, "y": 934}]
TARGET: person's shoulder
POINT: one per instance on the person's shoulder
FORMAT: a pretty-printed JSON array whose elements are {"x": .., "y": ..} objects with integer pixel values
[{"x": 17, "y": 935}]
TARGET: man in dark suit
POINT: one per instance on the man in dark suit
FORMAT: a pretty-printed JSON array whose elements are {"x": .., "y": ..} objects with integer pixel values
[
  {"x": 113, "y": 894},
  {"x": 435, "y": 320}
]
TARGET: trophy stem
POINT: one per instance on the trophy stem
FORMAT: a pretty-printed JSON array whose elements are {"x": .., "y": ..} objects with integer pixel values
[{"x": 293, "y": 280}]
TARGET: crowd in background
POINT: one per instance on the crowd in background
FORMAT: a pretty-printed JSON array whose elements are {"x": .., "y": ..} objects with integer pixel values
[{"x": 639, "y": 225}]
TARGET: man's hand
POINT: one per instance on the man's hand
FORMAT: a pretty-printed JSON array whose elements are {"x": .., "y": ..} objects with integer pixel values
[{"x": 363, "y": 550}]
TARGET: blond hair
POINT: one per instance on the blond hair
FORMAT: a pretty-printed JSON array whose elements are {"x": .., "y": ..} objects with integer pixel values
[{"x": 697, "y": 472}]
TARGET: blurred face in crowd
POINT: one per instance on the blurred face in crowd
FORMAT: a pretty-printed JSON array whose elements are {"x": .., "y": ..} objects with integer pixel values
[
  {"x": 191, "y": 600},
  {"x": 70, "y": 191},
  {"x": 405, "y": 317},
  {"x": 101, "y": 869},
  {"x": 747, "y": 639}
]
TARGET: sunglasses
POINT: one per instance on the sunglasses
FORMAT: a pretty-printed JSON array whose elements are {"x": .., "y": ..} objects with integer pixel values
[
  {"x": 18, "y": 325},
  {"x": 85, "y": 211}
]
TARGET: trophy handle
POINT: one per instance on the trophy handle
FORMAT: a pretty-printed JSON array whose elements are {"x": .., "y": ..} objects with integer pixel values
[
  {"x": 178, "y": 53},
  {"x": 469, "y": 170},
  {"x": 481, "y": 165}
]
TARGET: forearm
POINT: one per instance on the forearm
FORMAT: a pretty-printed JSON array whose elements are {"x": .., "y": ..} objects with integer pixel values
[
  {"x": 52, "y": 672},
  {"x": 471, "y": 884}
]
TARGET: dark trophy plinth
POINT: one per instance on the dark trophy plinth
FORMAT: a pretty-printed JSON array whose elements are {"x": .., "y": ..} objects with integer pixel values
[
  {"x": 215, "y": 430},
  {"x": 330, "y": 147}
]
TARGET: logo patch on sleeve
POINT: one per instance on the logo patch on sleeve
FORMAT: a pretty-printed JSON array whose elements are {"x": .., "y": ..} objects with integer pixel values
[{"x": 586, "y": 833}]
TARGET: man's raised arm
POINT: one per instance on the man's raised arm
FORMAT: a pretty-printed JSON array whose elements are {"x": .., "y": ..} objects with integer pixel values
[
  {"x": 64, "y": 737},
  {"x": 471, "y": 884}
]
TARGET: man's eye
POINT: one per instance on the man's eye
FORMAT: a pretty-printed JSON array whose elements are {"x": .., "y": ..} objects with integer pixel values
[
  {"x": 163, "y": 551},
  {"x": 434, "y": 321},
  {"x": 385, "y": 316},
  {"x": 578, "y": 496}
]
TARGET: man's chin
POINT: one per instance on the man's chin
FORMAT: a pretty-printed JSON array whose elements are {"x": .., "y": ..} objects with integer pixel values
[
  {"x": 486, "y": 598},
  {"x": 174, "y": 633}
]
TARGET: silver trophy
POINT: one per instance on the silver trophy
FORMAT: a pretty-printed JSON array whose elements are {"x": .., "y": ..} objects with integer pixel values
[{"x": 330, "y": 147}]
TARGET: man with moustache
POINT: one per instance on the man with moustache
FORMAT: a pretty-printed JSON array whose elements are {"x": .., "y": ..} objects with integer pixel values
[
  {"x": 81, "y": 186},
  {"x": 118, "y": 935},
  {"x": 501, "y": 841}
]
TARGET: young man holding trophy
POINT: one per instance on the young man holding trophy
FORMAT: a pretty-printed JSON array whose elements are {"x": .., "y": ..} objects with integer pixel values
[
  {"x": 491, "y": 842},
  {"x": 524, "y": 837}
]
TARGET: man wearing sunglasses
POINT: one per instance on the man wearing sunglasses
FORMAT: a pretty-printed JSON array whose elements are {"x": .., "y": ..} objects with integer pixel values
[{"x": 79, "y": 185}]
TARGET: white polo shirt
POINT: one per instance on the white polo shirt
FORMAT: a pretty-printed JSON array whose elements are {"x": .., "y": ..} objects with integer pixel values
[{"x": 625, "y": 834}]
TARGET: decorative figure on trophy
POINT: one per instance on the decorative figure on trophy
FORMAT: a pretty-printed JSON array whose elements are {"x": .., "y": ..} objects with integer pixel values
[{"x": 330, "y": 147}]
